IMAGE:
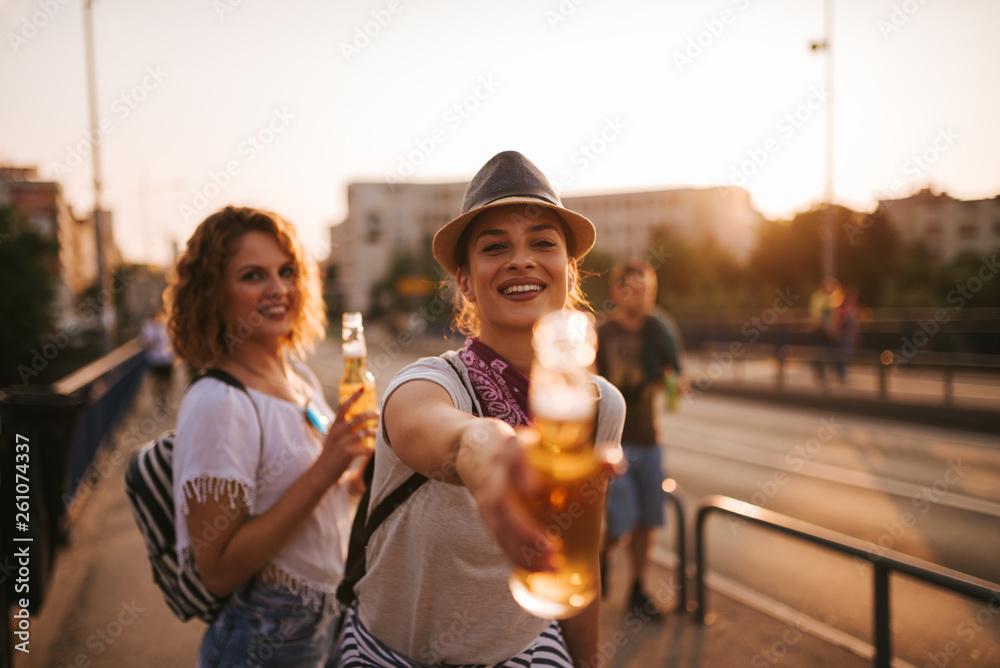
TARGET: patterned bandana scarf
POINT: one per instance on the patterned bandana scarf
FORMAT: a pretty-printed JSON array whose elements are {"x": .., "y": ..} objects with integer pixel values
[{"x": 501, "y": 389}]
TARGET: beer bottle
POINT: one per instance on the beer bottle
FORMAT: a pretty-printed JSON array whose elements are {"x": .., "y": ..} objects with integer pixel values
[{"x": 356, "y": 373}]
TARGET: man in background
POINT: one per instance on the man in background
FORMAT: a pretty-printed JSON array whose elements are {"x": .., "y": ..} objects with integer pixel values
[{"x": 635, "y": 352}]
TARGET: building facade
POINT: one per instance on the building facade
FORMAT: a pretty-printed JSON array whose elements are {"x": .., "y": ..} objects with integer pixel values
[
  {"x": 949, "y": 227},
  {"x": 384, "y": 220},
  {"x": 48, "y": 213}
]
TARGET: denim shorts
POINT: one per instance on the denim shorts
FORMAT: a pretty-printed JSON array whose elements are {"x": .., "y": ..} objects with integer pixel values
[
  {"x": 263, "y": 625},
  {"x": 636, "y": 499}
]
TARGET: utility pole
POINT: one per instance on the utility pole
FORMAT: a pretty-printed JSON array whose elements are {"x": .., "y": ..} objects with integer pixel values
[
  {"x": 105, "y": 298},
  {"x": 828, "y": 236}
]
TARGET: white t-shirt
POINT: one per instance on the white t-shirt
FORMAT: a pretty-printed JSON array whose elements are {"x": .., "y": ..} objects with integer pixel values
[
  {"x": 217, "y": 453},
  {"x": 435, "y": 588}
]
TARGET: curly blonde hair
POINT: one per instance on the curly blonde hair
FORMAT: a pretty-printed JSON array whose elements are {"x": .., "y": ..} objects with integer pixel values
[
  {"x": 195, "y": 295},
  {"x": 466, "y": 315}
]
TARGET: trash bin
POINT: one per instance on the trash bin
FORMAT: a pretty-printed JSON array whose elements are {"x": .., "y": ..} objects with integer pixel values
[{"x": 36, "y": 429}]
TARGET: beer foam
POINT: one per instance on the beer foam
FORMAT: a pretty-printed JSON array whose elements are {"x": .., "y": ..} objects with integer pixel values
[{"x": 566, "y": 405}]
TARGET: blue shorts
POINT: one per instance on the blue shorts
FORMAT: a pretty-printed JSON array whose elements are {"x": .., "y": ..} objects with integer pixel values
[
  {"x": 636, "y": 499},
  {"x": 263, "y": 624}
]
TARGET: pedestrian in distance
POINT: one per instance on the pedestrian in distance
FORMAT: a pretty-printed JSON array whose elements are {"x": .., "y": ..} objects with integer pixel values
[
  {"x": 159, "y": 355},
  {"x": 263, "y": 503},
  {"x": 823, "y": 305},
  {"x": 848, "y": 329},
  {"x": 436, "y": 589},
  {"x": 635, "y": 352}
]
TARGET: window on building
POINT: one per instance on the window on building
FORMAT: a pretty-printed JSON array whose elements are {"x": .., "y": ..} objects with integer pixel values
[{"x": 373, "y": 228}]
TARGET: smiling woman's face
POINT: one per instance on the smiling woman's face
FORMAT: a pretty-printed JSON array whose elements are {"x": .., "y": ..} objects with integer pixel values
[
  {"x": 518, "y": 268},
  {"x": 261, "y": 283}
]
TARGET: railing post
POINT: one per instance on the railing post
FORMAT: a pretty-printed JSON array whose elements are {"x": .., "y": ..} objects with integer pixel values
[
  {"x": 883, "y": 380},
  {"x": 882, "y": 632},
  {"x": 949, "y": 386},
  {"x": 681, "y": 549},
  {"x": 699, "y": 558}
]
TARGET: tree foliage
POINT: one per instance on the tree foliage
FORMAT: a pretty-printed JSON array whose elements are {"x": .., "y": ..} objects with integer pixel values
[
  {"x": 29, "y": 290},
  {"x": 788, "y": 253}
]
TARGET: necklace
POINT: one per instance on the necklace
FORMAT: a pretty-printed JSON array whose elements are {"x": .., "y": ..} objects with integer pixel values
[
  {"x": 313, "y": 413},
  {"x": 287, "y": 386}
]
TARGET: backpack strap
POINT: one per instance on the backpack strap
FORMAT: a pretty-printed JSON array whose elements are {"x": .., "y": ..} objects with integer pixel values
[{"x": 365, "y": 524}]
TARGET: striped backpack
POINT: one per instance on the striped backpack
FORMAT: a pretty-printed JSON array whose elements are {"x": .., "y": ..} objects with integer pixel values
[{"x": 150, "y": 490}]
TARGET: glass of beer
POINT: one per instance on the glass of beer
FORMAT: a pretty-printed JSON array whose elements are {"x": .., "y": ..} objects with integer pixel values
[{"x": 563, "y": 405}]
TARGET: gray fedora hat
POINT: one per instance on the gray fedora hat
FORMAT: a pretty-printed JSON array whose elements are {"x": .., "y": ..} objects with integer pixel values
[{"x": 509, "y": 178}]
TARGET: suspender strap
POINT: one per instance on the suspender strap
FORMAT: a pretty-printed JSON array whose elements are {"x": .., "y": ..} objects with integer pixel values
[{"x": 365, "y": 524}]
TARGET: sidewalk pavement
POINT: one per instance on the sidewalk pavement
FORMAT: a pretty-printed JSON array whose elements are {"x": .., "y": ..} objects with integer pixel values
[{"x": 102, "y": 608}]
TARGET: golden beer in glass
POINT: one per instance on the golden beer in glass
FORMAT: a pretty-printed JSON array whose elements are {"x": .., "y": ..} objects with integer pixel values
[{"x": 570, "y": 508}]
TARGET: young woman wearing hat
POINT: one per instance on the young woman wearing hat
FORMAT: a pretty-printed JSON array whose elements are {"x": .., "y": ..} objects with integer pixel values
[
  {"x": 436, "y": 586},
  {"x": 263, "y": 505}
]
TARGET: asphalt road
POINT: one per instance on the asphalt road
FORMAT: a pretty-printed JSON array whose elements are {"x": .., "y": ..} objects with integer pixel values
[{"x": 930, "y": 493}]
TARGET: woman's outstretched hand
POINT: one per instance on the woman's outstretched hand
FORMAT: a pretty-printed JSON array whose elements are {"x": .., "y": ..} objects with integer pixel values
[{"x": 505, "y": 488}]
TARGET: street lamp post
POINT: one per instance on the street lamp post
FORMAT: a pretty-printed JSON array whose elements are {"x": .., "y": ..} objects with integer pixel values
[
  {"x": 828, "y": 237},
  {"x": 105, "y": 300}
]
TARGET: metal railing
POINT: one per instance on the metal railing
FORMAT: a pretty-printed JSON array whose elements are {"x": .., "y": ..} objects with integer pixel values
[
  {"x": 884, "y": 563},
  {"x": 106, "y": 386},
  {"x": 60, "y": 427},
  {"x": 681, "y": 534}
]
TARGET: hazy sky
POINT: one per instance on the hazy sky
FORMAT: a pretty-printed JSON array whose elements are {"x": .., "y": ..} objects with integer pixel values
[{"x": 281, "y": 105}]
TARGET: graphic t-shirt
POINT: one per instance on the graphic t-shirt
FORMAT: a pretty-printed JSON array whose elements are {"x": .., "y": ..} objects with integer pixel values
[{"x": 627, "y": 359}]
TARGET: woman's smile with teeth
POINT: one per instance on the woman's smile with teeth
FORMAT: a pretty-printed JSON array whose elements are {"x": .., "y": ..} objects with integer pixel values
[
  {"x": 514, "y": 289},
  {"x": 273, "y": 310}
]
